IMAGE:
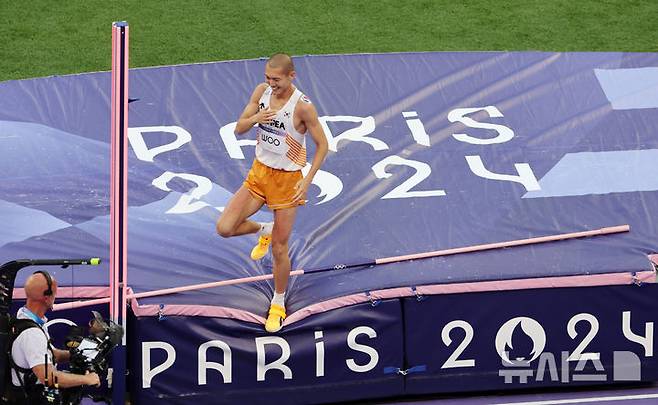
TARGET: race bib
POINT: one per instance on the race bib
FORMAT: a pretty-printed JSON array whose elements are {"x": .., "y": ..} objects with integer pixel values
[{"x": 272, "y": 142}]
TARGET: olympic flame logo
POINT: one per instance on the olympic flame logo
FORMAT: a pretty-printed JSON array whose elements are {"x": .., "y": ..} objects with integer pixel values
[{"x": 531, "y": 328}]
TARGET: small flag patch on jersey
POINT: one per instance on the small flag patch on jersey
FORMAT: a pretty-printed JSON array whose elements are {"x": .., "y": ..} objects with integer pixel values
[{"x": 305, "y": 99}]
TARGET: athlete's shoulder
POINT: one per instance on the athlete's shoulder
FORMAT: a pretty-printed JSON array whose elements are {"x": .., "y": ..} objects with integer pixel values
[
  {"x": 306, "y": 109},
  {"x": 304, "y": 99},
  {"x": 263, "y": 88},
  {"x": 305, "y": 102},
  {"x": 259, "y": 91}
]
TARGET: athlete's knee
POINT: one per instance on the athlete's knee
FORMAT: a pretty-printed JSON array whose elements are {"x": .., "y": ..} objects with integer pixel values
[
  {"x": 223, "y": 229},
  {"x": 279, "y": 248}
]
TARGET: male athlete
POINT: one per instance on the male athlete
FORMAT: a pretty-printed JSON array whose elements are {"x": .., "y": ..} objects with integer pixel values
[{"x": 283, "y": 116}]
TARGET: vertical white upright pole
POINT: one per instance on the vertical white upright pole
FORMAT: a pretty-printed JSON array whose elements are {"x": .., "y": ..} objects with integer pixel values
[{"x": 119, "y": 202}]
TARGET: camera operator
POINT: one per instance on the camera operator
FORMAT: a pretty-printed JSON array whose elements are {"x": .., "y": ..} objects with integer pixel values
[{"x": 31, "y": 349}]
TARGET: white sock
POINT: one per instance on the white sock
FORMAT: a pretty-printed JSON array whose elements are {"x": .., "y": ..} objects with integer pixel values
[
  {"x": 265, "y": 228},
  {"x": 279, "y": 299}
]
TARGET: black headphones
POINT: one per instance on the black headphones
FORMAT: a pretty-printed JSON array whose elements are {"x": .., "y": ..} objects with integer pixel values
[{"x": 49, "y": 281}]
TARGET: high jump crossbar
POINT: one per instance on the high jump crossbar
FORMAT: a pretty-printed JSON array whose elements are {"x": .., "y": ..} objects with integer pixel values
[{"x": 385, "y": 260}]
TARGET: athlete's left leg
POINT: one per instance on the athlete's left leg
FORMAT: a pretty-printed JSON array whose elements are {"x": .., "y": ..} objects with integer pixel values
[{"x": 284, "y": 220}]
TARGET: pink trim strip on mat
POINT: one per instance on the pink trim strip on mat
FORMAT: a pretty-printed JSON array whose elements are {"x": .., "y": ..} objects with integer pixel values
[
  {"x": 72, "y": 292},
  {"x": 192, "y": 310},
  {"x": 196, "y": 310},
  {"x": 458, "y": 288},
  {"x": 654, "y": 259},
  {"x": 401, "y": 292}
]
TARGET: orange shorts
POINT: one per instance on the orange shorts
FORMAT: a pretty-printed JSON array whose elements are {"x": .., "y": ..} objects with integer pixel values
[{"x": 275, "y": 187}]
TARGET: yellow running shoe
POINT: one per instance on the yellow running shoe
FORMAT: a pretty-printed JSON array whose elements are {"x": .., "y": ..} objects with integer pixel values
[
  {"x": 259, "y": 251},
  {"x": 275, "y": 318}
]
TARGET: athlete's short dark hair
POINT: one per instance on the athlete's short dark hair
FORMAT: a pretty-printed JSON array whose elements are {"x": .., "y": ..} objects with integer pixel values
[{"x": 281, "y": 60}]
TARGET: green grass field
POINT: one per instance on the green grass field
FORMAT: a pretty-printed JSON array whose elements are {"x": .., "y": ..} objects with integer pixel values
[{"x": 42, "y": 38}]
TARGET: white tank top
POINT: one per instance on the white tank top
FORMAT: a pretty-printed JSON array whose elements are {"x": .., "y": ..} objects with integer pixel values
[{"x": 279, "y": 145}]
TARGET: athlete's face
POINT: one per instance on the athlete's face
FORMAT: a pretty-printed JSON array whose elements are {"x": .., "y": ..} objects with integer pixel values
[{"x": 278, "y": 79}]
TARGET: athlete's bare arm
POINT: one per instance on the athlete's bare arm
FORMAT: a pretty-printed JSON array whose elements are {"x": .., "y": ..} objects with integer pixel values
[
  {"x": 309, "y": 116},
  {"x": 251, "y": 115}
]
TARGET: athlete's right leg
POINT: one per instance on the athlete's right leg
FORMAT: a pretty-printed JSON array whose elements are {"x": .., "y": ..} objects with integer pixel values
[{"x": 233, "y": 221}]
